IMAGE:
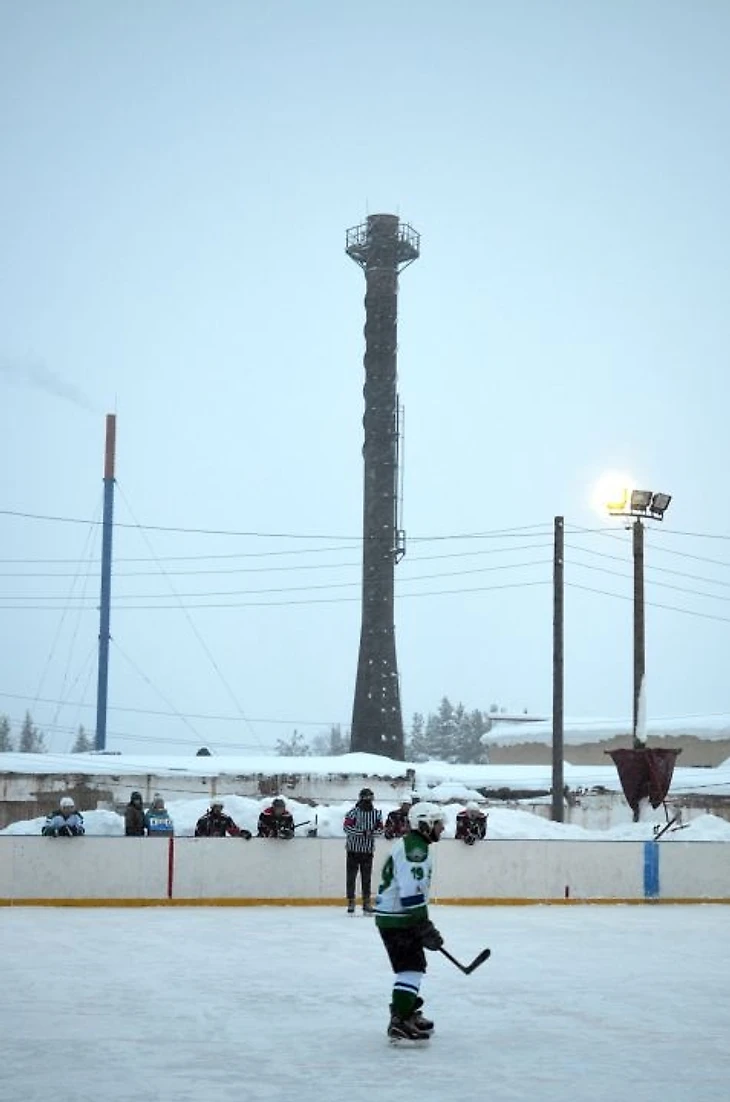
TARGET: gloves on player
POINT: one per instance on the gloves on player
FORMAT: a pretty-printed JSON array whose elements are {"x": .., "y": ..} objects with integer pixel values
[{"x": 430, "y": 937}]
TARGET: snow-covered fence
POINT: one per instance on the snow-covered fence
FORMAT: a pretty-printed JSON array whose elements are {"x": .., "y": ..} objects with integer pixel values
[{"x": 310, "y": 870}]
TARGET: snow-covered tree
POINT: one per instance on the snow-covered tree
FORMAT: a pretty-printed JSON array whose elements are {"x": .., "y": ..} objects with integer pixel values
[
  {"x": 6, "y": 743},
  {"x": 296, "y": 747},
  {"x": 83, "y": 743},
  {"x": 31, "y": 740}
]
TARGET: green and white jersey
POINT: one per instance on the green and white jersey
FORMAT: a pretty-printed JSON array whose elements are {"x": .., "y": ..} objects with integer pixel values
[{"x": 405, "y": 883}]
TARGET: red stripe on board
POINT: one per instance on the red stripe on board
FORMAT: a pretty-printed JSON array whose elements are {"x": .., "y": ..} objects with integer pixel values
[{"x": 170, "y": 866}]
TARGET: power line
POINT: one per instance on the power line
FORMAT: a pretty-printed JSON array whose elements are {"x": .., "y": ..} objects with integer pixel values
[
  {"x": 263, "y": 569},
  {"x": 284, "y": 604},
  {"x": 196, "y": 632},
  {"x": 193, "y": 558},
  {"x": 302, "y": 588},
  {"x": 208, "y": 716},
  {"x": 88, "y": 546},
  {"x": 59, "y": 757},
  {"x": 687, "y": 555},
  {"x": 155, "y": 689},
  {"x": 652, "y": 604},
  {"x": 525, "y": 529},
  {"x": 663, "y": 530},
  {"x": 657, "y": 569},
  {"x": 664, "y": 585},
  {"x": 695, "y": 535}
]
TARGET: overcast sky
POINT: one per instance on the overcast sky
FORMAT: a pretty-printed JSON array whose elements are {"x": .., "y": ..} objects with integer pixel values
[{"x": 177, "y": 180}]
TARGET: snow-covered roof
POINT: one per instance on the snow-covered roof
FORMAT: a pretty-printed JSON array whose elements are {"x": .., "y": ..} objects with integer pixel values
[
  {"x": 576, "y": 731},
  {"x": 365, "y": 765},
  {"x": 518, "y": 777}
]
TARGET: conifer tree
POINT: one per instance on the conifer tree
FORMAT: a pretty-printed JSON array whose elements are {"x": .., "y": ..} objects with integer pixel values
[
  {"x": 83, "y": 743},
  {"x": 31, "y": 740},
  {"x": 452, "y": 734},
  {"x": 6, "y": 743},
  {"x": 295, "y": 747},
  {"x": 331, "y": 744}
]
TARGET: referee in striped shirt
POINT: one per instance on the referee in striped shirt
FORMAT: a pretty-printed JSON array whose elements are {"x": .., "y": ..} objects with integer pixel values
[{"x": 362, "y": 823}]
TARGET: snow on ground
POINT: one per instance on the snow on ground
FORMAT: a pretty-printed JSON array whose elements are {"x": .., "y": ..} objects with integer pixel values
[
  {"x": 606, "y": 1004},
  {"x": 502, "y": 822}
]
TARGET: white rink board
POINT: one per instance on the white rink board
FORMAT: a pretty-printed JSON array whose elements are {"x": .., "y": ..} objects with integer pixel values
[
  {"x": 310, "y": 870},
  {"x": 232, "y": 868},
  {"x": 77, "y": 868},
  {"x": 540, "y": 870},
  {"x": 691, "y": 869}
]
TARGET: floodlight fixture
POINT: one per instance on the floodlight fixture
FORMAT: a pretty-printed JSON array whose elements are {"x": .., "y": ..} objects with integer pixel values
[
  {"x": 659, "y": 505},
  {"x": 640, "y": 501},
  {"x": 621, "y": 504}
]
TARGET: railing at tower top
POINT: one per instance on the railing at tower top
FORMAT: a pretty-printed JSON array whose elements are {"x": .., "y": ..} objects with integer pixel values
[{"x": 359, "y": 239}]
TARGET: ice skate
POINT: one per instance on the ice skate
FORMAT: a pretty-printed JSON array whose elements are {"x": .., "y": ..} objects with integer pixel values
[
  {"x": 405, "y": 1031},
  {"x": 351, "y": 906},
  {"x": 418, "y": 1019}
]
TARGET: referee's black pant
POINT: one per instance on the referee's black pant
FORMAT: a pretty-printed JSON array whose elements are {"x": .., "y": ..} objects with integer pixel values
[{"x": 364, "y": 863}]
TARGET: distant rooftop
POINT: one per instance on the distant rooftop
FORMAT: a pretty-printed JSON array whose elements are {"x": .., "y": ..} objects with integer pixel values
[{"x": 577, "y": 731}]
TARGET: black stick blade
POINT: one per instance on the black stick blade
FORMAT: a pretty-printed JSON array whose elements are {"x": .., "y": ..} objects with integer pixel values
[{"x": 484, "y": 955}]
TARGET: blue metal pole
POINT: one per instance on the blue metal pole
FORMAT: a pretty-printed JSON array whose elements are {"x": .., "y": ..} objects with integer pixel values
[{"x": 106, "y": 582}]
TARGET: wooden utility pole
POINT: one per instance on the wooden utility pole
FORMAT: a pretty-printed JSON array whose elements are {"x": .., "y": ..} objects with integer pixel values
[
  {"x": 558, "y": 669},
  {"x": 639, "y": 628}
]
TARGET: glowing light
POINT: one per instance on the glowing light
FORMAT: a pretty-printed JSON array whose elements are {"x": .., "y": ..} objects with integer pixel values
[{"x": 611, "y": 493}]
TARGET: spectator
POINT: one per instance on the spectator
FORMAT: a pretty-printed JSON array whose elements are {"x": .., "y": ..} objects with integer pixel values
[
  {"x": 471, "y": 824},
  {"x": 134, "y": 816},
  {"x": 396, "y": 822},
  {"x": 67, "y": 822},
  {"x": 362, "y": 823},
  {"x": 276, "y": 821},
  {"x": 157, "y": 821},
  {"x": 216, "y": 824}
]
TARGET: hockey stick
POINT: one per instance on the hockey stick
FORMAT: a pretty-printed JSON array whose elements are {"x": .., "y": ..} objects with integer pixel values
[{"x": 467, "y": 969}]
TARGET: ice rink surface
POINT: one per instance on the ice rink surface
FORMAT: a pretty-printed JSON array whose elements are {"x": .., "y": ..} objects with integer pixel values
[{"x": 598, "y": 1003}]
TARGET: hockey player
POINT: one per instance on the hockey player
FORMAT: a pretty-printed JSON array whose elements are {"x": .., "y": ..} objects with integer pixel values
[
  {"x": 471, "y": 824},
  {"x": 401, "y": 915},
  {"x": 216, "y": 824},
  {"x": 276, "y": 821},
  {"x": 361, "y": 824},
  {"x": 67, "y": 822},
  {"x": 396, "y": 822}
]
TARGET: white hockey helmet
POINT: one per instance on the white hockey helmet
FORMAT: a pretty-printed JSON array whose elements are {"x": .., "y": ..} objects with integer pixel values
[
  {"x": 425, "y": 813},
  {"x": 66, "y": 801}
]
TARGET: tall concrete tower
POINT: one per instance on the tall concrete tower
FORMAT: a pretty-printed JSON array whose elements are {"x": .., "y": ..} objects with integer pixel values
[{"x": 383, "y": 247}]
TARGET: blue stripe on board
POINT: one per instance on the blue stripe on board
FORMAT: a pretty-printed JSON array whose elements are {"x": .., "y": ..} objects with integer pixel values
[{"x": 651, "y": 870}]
